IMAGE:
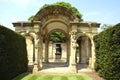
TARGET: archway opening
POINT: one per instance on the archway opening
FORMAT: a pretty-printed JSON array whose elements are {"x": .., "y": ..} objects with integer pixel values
[
  {"x": 83, "y": 52},
  {"x": 57, "y": 49}
]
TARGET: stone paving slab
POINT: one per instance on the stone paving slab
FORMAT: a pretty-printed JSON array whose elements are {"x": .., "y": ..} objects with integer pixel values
[{"x": 62, "y": 68}]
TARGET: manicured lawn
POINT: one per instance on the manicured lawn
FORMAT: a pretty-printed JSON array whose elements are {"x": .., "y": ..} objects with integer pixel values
[{"x": 51, "y": 77}]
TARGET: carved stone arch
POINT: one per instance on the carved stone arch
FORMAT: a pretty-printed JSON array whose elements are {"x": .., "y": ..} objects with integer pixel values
[
  {"x": 54, "y": 10},
  {"x": 84, "y": 34},
  {"x": 55, "y": 20},
  {"x": 84, "y": 40},
  {"x": 55, "y": 24}
]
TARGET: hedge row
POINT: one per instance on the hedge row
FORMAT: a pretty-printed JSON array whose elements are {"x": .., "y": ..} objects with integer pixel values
[
  {"x": 13, "y": 54},
  {"x": 107, "y": 45}
]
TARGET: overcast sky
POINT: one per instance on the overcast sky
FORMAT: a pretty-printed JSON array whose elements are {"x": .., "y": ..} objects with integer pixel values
[{"x": 101, "y": 11}]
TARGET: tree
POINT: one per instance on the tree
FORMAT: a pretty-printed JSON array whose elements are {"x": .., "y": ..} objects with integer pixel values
[
  {"x": 30, "y": 18},
  {"x": 105, "y": 26},
  {"x": 57, "y": 37}
]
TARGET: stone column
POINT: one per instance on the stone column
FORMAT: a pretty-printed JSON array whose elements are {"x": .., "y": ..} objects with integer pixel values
[
  {"x": 35, "y": 69},
  {"x": 29, "y": 43},
  {"x": 83, "y": 50},
  {"x": 40, "y": 51},
  {"x": 46, "y": 49},
  {"x": 37, "y": 46},
  {"x": 30, "y": 49},
  {"x": 93, "y": 55},
  {"x": 73, "y": 45},
  {"x": 68, "y": 50}
]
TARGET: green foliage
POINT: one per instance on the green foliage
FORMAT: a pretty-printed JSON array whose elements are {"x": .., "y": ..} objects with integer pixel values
[
  {"x": 107, "y": 45},
  {"x": 13, "y": 54},
  {"x": 105, "y": 26},
  {"x": 30, "y": 18},
  {"x": 64, "y": 4},
  {"x": 57, "y": 37}
]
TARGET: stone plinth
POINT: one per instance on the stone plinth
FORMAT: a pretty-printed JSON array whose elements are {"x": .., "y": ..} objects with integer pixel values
[
  {"x": 35, "y": 68},
  {"x": 72, "y": 68}
]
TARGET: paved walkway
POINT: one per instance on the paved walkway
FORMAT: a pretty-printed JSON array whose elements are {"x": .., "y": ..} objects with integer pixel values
[{"x": 62, "y": 68}]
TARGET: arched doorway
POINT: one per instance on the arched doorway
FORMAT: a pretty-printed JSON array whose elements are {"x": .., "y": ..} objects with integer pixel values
[
  {"x": 57, "y": 49},
  {"x": 56, "y": 53},
  {"x": 83, "y": 51}
]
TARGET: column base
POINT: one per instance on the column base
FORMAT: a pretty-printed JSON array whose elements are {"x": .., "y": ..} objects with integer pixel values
[
  {"x": 40, "y": 66},
  {"x": 35, "y": 68},
  {"x": 73, "y": 68}
]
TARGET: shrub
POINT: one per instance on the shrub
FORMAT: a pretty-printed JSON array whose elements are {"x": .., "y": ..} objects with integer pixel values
[
  {"x": 13, "y": 54},
  {"x": 107, "y": 45}
]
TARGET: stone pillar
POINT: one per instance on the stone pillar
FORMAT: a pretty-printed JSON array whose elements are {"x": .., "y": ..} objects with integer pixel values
[
  {"x": 46, "y": 50},
  {"x": 40, "y": 50},
  {"x": 37, "y": 46},
  {"x": 68, "y": 50},
  {"x": 35, "y": 69},
  {"x": 93, "y": 55},
  {"x": 83, "y": 50},
  {"x": 29, "y": 43},
  {"x": 73, "y": 45},
  {"x": 30, "y": 49}
]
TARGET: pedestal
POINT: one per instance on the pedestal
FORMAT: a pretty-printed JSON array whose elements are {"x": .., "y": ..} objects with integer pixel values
[
  {"x": 72, "y": 68},
  {"x": 35, "y": 68}
]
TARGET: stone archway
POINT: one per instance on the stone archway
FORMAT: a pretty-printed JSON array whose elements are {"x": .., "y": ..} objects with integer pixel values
[
  {"x": 63, "y": 56},
  {"x": 83, "y": 52},
  {"x": 54, "y": 25},
  {"x": 57, "y": 18}
]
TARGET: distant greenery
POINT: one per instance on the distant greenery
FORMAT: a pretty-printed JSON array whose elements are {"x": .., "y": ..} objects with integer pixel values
[
  {"x": 13, "y": 54},
  {"x": 51, "y": 77},
  {"x": 30, "y": 18},
  {"x": 57, "y": 37},
  {"x": 105, "y": 26},
  {"x": 67, "y": 5},
  {"x": 107, "y": 45},
  {"x": 64, "y": 4}
]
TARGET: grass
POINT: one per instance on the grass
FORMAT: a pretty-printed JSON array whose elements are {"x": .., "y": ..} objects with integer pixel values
[{"x": 51, "y": 77}]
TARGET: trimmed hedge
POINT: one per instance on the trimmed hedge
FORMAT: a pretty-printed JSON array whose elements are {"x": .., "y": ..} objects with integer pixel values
[
  {"x": 13, "y": 54},
  {"x": 107, "y": 45}
]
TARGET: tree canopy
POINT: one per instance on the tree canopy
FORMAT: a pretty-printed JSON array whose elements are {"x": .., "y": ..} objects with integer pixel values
[
  {"x": 57, "y": 37},
  {"x": 106, "y": 26}
]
